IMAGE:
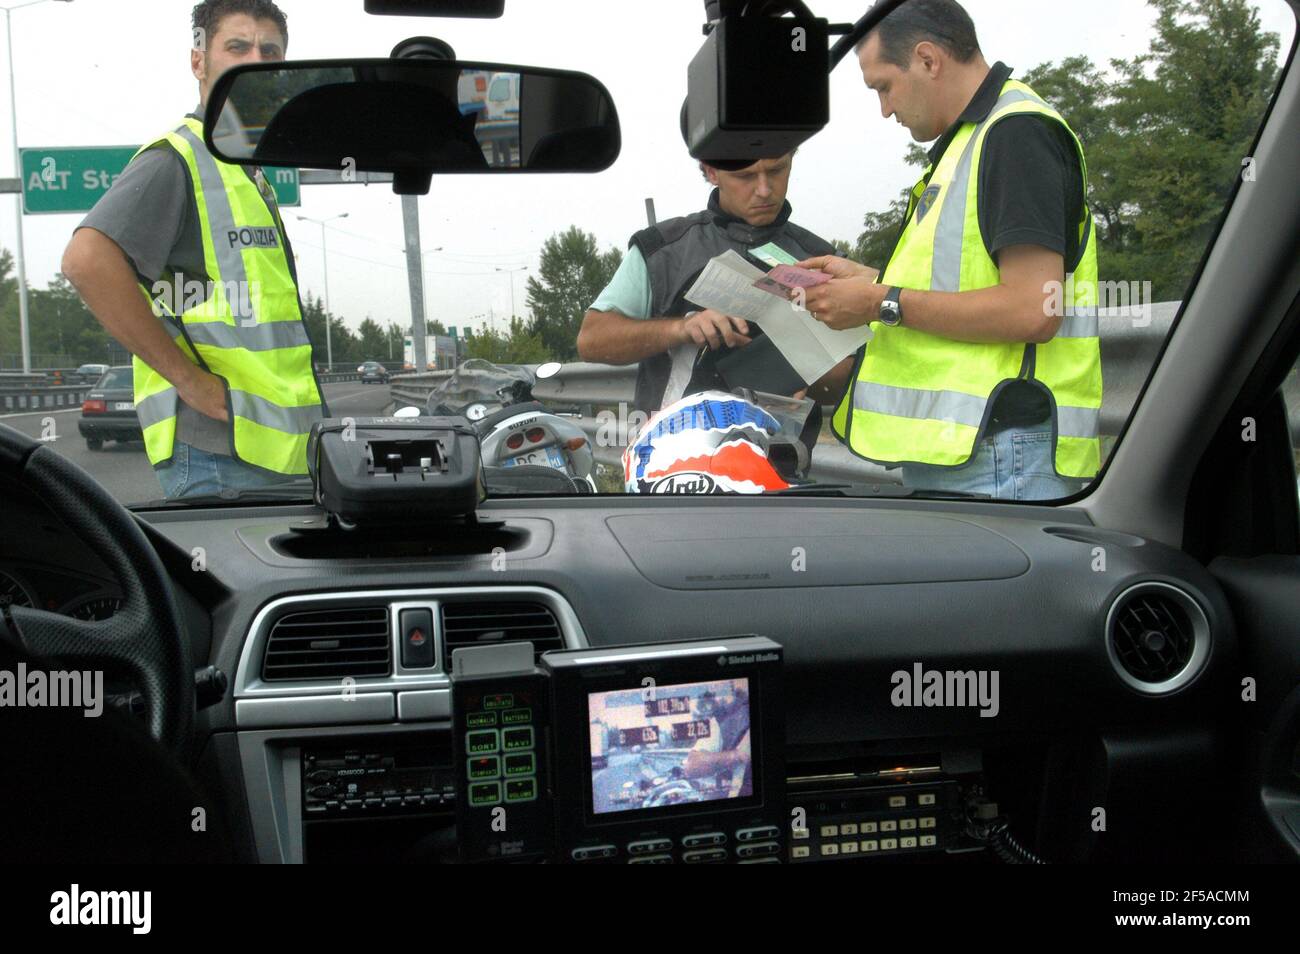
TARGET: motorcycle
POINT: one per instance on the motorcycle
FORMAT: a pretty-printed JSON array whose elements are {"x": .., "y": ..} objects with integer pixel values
[{"x": 524, "y": 445}]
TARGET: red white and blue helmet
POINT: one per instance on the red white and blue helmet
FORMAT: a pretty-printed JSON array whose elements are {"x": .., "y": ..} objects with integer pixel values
[{"x": 708, "y": 443}]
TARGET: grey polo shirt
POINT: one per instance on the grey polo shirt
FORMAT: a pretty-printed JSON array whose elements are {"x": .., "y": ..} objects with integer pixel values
[{"x": 151, "y": 214}]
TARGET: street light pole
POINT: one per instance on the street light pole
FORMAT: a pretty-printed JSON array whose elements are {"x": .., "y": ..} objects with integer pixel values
[
  {"x": 21, "y": 262},
  {"x": 511, "y": 272},
  {"x": 325, "y": 255}
]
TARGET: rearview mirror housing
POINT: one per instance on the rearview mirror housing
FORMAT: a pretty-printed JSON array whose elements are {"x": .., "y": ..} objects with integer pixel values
[{"x": 413, "y": 118}]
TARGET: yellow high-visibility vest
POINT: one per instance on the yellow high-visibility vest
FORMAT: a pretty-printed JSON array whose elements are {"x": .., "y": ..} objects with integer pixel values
[
  {"x": 248, "y": 330},
  {"x": 921, "y": 398}
]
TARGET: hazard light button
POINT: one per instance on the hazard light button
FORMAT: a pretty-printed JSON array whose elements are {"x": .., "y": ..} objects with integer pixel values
[{"x": 417, "y": 638}]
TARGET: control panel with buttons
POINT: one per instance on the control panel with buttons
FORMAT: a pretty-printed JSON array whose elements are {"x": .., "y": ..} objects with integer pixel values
[
  {"x": 874, "y": 821},
  {"x": 499, "y": 724},
  {"x": 383, "y": 778}
]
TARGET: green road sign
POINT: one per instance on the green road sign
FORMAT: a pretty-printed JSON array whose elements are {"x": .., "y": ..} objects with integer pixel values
[{"x": 61, "y": 180}]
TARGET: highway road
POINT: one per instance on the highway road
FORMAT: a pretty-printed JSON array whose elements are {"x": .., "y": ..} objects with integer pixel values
[{"x": 124, "y": 470}]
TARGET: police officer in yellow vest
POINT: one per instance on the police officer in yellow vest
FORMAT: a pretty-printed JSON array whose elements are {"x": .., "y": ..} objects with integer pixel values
[
  {"x": 983, "y": 374},
  {"x": 185, "y": 261}
]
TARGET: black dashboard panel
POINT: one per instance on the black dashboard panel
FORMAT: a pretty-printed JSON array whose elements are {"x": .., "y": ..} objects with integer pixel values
[
  {"x": 1033, "y": 610},
  {"x": 736, "y": 551},
  {"x": 866, "y": 597}
]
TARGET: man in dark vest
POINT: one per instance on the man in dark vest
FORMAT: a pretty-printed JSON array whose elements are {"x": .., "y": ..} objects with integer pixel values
[{"x": 643, "y": 314}]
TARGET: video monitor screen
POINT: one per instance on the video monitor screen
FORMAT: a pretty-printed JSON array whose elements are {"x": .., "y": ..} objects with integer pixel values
[{"x": 662, "y": 746}]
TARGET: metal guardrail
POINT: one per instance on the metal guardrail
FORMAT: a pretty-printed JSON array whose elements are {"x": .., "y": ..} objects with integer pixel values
[
  {"x": 32, "y": 398},
  {"x": 1128, "y": 351}
]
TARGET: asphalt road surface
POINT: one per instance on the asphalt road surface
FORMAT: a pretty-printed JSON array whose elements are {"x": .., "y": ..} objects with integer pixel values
[{"x": 124, "y": 470}]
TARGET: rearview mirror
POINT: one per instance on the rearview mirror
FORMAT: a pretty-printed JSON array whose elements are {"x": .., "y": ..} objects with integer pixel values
[{"x": 412, "y": 118}]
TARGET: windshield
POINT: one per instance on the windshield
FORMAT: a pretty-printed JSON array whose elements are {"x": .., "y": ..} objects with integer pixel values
[
  {"x": 1074, "y": 192},
  {"x": 117, "y": 378}
]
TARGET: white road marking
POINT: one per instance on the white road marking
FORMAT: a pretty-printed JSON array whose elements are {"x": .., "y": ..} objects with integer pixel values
[{"x": 66, "y": 410}]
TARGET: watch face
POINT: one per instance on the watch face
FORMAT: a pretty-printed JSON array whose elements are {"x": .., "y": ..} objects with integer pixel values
[{"x": 890, "y": 313}]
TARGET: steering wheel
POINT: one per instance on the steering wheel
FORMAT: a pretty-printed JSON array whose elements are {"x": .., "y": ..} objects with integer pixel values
[{"x": 145, "y": 636}]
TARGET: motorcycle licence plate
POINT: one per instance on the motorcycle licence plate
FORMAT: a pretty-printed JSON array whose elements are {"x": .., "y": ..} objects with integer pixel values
[{"x": 547, "y": 457}]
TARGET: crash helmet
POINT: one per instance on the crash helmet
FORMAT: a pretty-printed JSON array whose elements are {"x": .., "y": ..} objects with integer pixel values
[{"x": 707, "y": 443}]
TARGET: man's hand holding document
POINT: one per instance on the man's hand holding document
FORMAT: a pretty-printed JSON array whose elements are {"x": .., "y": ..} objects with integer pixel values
[{"x": 731, "y": 285}]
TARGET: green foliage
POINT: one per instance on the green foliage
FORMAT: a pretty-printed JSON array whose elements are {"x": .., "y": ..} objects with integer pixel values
[
  {"x": 1165, "y": 135},
  {"x": 879, "y": 232},
  {"x": 520, "y": 346},
  {"x": 63, "y": 331},
  {"x": 573, "y": 272}
]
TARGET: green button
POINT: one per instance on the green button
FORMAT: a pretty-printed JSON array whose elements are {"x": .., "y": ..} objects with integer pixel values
[
  {"x": 482, "y": 742},
  {"x": 504, "y": 700},
  {"x": 517, "y": 716},
  {"x": 485, "y": 793},
  {"x": 521, "y": 790},
  {"x": 514, "y": 740},
  {"x": 485, "y": 766},
  {"x": 525, "y": 764},
  {"x": 479, "y": 720}
]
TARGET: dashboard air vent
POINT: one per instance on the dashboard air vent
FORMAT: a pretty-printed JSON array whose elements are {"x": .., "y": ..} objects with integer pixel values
[
  {"x": 1157, "y": 637},
  {"x": 479, "y": 623},
  {"x": 328, "y": 644}
]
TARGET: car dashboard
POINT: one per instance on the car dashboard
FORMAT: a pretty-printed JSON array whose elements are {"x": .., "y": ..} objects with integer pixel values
[{"x": 942, "y": 665}]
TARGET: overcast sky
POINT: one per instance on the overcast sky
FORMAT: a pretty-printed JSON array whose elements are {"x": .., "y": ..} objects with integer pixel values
[{"x": 116, "y": 72}]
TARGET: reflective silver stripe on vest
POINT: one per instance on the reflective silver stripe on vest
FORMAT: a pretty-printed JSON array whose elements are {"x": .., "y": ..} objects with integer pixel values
[
  {"x": 267, "y": 336},
  {"x": 959, "y": 408},
  {"x": 291, "y": 420},
  {"x": 945, "y": 265},
  {"x": 920, "y": 404},
  {"x": 221, "y": 222},
  {"x": 1079, "y": 323},
  {"x": 1078, "y": 421},
  {"x": 156, "y": 408}
]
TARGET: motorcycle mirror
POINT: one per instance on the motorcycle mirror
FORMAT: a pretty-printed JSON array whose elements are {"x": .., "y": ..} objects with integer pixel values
[
  {"x": 548, "y": 370},
  {"x": 407, "y": 412}
]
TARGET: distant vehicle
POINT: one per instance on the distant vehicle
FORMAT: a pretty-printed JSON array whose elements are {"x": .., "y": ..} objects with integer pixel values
[
  {"x": 373, "y": 371},
  {"x": 503, "y": 98},
  {"x": 88, "y": 373},
  {"x": 108, "y": 413}
]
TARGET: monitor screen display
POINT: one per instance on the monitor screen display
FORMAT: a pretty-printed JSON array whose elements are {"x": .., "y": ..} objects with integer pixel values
[{"x": 663, "y": 746}]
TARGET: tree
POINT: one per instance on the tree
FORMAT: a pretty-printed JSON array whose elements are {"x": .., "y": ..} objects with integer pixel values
[
  {"x": 1185, "y": 114},
  {"x": 372, "y": 341},
  {"x": 520, "y": 346},
  {"x": 434, "y": 328},
  {"x": 879, "y": 232},
  {"x": 573, "y": 272}
]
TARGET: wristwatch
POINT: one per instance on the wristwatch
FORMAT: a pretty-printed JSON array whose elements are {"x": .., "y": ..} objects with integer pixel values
[{"x": 891, "y": 309}]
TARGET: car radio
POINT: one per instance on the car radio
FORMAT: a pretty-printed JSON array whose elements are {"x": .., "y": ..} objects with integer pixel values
[{"x": 651, "y": 754}]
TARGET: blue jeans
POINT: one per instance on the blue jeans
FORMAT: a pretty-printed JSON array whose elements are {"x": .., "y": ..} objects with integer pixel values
[
  {"x": 1014, "y": 464},
  {"x": 192, "y": 472}
]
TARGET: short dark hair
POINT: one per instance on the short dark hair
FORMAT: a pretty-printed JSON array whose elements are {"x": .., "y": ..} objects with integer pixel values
[
  {"x": 209, "y": 14},
  {"x": 943, "y": 22},
  {"x": 705, "y": 167}
]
